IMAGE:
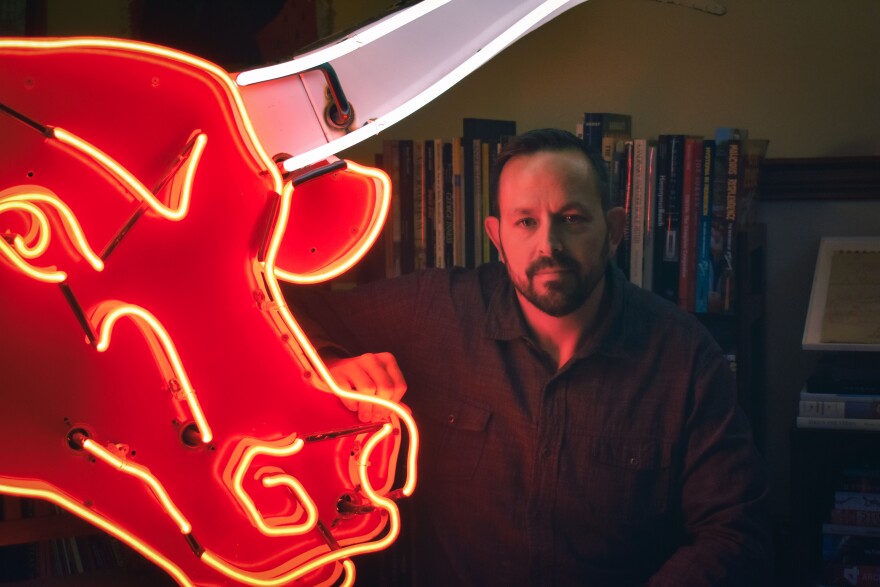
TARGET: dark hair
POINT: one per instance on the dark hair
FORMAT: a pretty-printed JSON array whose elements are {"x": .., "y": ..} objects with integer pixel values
[{"x": 549, "y": 139}]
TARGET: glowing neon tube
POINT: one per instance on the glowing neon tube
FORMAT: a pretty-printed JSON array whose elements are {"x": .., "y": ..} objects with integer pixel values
[
  {"x": 279, "y": 450},
  {"x": 156, "y": 336},
  {"x": 142, "y": 473}
]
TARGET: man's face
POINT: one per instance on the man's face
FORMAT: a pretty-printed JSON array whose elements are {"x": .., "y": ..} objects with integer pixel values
[{"x": 551, "y": 232}]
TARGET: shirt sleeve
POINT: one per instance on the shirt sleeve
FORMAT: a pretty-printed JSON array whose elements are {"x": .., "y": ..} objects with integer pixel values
[
  {"x": 723, "y": 490},
  {"x": 375, "y": 317}
]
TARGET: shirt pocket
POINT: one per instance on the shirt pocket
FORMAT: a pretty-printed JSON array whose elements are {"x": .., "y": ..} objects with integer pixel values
[
  {"x": 454, "y": 432},
  {"x": 631, "y": 477}
]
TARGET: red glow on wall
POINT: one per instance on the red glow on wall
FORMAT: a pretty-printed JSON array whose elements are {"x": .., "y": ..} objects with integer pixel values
[{"x": 155, "y": 381}]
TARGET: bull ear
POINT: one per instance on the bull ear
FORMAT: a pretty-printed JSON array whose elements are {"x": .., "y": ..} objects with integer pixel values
[{"x": 335, "y": 218}]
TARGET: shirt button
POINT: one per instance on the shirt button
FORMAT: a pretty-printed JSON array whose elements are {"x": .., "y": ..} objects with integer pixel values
[{"x": 633, "y": 461}]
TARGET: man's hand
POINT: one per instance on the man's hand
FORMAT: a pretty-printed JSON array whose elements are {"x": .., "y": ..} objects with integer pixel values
[{"x": 371, "y": 375}]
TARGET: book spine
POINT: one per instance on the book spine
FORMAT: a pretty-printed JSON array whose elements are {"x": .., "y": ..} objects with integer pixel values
[
  {"x": 704, "y": 232},
  {"x": 448, "y": 206},
  {"x": 840, "y": 397},
  {"x": 850, "y": 530},
  {"x": 669, "y": 266},
  {"x": 458, "y": 205},
  {"x": 407, "y": 214},
  {"x": 391, "y": 163},
  {"x": 485, "y": 184},
  {"x": 468, "y": 196},
  {"x": 439, "y": 206},
  {"x": 476, "y": 252},
  {"x": 854, "y": 517},
  {"x": 637, "y": 224},
  {"x": 660, "y": 200},
  {"x": 734, "y": 173},
  {"x": 428, "y": 204},
  {"x": 838, "y": 423},
  {"x": 418, "y": 165},
  {"x": 691, "y": 177},
  {"x": 650, "y": 213},
  {"x": 625, "y": 198},
  {"x": 839, "y": 409},
  {"x": 857, "y": 500},
  {"x": 851, "y": 574}
]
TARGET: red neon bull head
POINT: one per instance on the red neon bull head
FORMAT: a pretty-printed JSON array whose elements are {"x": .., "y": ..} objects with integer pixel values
[{"x": 154, "y": 381}]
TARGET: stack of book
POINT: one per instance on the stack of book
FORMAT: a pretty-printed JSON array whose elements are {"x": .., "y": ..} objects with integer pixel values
[
  {"x": 851, "y": 539},
  {"x": 686, "y": 197},
  {"x": 440, "y": 197},
  {"x": 843, "y": 393}
]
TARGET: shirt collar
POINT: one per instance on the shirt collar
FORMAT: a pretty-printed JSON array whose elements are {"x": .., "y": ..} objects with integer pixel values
[{"x": 504, "y": 319}]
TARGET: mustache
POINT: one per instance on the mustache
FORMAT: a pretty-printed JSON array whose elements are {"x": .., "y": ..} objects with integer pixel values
[{"x": 558, "y": 260}]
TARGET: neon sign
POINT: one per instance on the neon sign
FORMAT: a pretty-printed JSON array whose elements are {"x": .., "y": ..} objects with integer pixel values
[{"x": 159, "y": 385}]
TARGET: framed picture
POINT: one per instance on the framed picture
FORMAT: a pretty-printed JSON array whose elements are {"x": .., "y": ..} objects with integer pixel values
[{"x": 844, "y": 310}]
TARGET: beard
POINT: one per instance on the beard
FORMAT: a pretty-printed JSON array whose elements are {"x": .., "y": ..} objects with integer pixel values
[{"x": 564, "y": 293}]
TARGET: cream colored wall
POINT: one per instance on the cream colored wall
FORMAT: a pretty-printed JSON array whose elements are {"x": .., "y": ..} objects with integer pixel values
[{"x": 803, "y": 74}]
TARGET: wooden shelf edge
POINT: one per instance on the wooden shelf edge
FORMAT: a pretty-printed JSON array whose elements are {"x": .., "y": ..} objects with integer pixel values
[{"x": 820, "y": 178}]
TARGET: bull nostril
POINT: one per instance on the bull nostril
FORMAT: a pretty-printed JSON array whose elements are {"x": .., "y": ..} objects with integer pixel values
[{"x": 347, "y": 505}]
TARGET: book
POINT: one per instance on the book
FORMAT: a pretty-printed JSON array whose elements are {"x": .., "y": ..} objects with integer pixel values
[
  {"x": 406, "y": 195},
  {"x": 857, "y": 500},
  {"x": 855, "y": 517},
  {"x": 847, "y": 530},
  {"x": 839, "y": 408},
  {"x": 650, "y": 214},
  {"x": 638, "y": 205},
  {"x": 624, "y": 163},
  {"x": 692, "y": 177},
  {"x": 846, "y": 373},
  {"x": 866, "y": 424},
  {"x": 391, "y": 165},
  {"x": 704, "y": 230},
  {"x": 458, "y": 204},
  {"x": 755, "y": 152},
  {"x": 669, "y": 233},
  {"x": 429, "y": 207},
  {"x": 852, "y": 575},
  {"x": 419, "y": 235},
  {"x": 439, "y": 206},
  {"x": 448, "y": 206},
  {"x": 603, "y": 130},
  {"x": 728, "y": 178}
]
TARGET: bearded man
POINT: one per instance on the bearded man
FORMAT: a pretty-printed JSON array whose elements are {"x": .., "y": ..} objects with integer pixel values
[{"x": 575, "y": 429}]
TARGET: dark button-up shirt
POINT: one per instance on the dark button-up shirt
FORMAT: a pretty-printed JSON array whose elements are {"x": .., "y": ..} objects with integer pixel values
[{"x": 631, "y": 464}]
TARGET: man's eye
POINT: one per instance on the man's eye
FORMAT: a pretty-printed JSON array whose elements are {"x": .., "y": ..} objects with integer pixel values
[
  {"x": 526, "y": 222},
  {"x": 574, "y": 219}
]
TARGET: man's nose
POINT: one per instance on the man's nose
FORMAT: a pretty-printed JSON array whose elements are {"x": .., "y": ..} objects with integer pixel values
[{"x": 551, "y": 238}]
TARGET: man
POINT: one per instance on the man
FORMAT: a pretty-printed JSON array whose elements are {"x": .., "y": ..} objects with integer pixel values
[{"x": 576, "y": 429}]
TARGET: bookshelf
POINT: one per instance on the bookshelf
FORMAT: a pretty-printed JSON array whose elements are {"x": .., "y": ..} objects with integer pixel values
[
  {"x": 41, "y": 547},
  {"x": 743, "y": 331},
  {"x": 819, "y": 458}
]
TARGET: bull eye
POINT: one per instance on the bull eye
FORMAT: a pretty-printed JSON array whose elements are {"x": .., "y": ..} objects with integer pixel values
[
  {"x": 76, "y": 437},
  {"x": 190, "y": 435}
]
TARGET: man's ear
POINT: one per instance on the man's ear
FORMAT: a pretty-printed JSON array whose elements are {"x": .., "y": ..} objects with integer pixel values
[
  {"x": 493, "y": 229},
  {"x": 615, "y": 219}
]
